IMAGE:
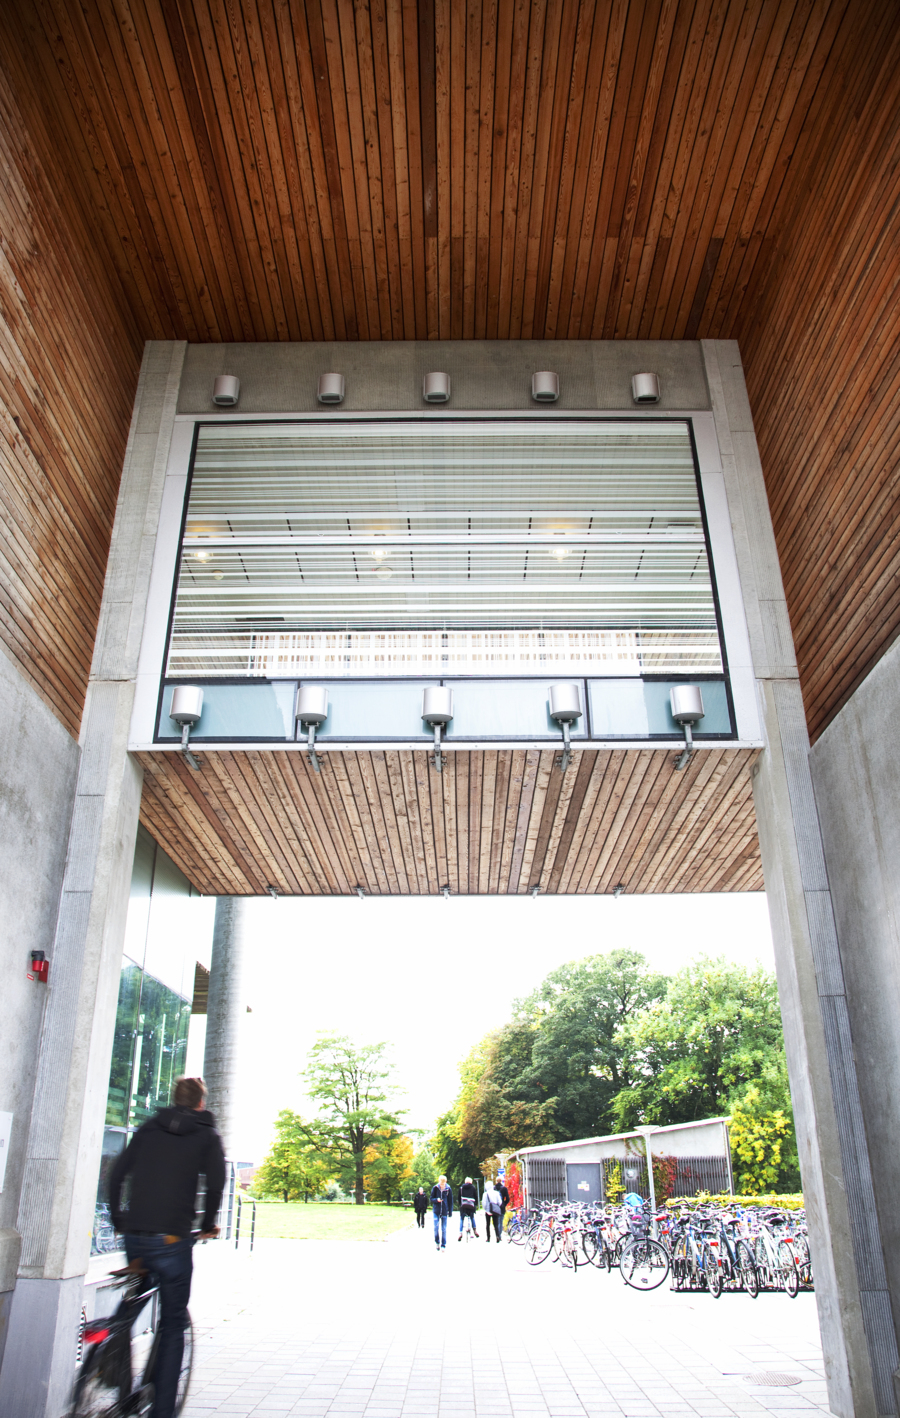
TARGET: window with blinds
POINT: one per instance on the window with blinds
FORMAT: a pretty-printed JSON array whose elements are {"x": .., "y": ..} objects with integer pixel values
[{"x": 468, "y": 547}]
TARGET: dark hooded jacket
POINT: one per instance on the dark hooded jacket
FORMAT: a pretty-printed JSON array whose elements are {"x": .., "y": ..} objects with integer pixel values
[{"x": 165, "y": 1160}]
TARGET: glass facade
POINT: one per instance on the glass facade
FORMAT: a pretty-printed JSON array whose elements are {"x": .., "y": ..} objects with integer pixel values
[
  {"x": 450, "y": 547},
  {"x": 168, "y": 931}
]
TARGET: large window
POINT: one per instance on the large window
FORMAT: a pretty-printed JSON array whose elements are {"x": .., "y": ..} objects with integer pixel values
[{"x": 446, "y": 547}]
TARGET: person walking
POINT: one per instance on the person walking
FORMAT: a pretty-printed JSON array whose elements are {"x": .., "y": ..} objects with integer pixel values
[
  {"x": 504, "y": 1198},
  {"x": 165, "y": 1160},
  {"x": 492, "y": 1208},
  {"x": 420, "y": 1203},
  {"x": 442, "y": 1207},
  {"x": 468, "y": 1201}
]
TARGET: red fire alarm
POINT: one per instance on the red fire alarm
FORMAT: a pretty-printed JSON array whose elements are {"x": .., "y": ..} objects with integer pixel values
[{"x": 40, "y": 965}]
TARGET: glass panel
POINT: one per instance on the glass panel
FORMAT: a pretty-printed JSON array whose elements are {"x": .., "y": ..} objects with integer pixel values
[
  {"x": 123, "y": 1045},
  {"x": 160, "y": 1048},
  {"x": 633, "y": 709},
  {"x": 236, "y": 711},
  {"x": 514, "y": 709},
  {"x": 364, "y": 549}
]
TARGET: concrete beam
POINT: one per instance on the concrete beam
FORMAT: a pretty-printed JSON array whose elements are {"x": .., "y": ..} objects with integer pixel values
[
  {"x": 226, "y": 1015},
  {"x": 858, "y": 1336}
]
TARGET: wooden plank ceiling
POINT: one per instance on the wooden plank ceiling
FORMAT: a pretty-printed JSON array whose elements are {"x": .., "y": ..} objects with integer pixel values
[
  {"x": 390, "y": 169},
  {"x": 498, "y": 822}
]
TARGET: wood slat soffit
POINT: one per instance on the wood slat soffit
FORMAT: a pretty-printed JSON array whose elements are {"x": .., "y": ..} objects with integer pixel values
[
  {"x": 497, "y": 822},
  {"x": 399, "y": 169}
]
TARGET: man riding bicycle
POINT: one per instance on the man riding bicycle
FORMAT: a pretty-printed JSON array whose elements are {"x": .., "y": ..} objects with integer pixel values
[
  {"x": 468, "y": 1200},
  {"x": 164, "y": 1160}
]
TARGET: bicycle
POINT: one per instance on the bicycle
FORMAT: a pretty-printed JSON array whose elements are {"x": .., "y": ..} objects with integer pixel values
[
  {"x": 467, "y": 1230},
  {"x": 117, "y": 1371},
  {"x": 643, "y": 1262}
]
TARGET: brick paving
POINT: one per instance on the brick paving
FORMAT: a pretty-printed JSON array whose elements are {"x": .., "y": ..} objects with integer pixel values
[{"x": 394, "y": 1330}]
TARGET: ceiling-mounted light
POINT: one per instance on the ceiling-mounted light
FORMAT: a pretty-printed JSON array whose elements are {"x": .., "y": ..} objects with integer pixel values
[
  {"x": 202, "y": 555},
  {"x": 645, "y": 388},
  {"x": 311, "y": 711},
  {"x": 558, "y": 553},
  {"x": 687, "y": 710},
  {"x": 436, "y": 388},
  {"x": 186, "y": 709},
  {"x": 331, "y": 389},
  {"x": 565, "y": 709},
  {"x": 437, "y": 711},
  {"x": 545, "y": 387},
  {"x": 226, "y": 391}
]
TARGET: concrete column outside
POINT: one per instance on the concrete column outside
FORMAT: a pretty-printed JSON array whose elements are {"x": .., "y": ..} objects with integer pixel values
[
  {"x": 62, "y": 1156},
  {"x": 858, "y": 1337},
  {"x": 226, "y": 1016}
]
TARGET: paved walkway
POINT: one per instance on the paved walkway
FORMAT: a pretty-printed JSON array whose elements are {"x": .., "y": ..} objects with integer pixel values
[{"x": 396, "y": 1330}]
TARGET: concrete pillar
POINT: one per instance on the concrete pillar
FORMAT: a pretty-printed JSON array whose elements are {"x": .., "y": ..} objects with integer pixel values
[
  {"x": 226, "y": 1017},
  {"x": 62, "y": 1155},
  {"x": 858, "y": 1335}
]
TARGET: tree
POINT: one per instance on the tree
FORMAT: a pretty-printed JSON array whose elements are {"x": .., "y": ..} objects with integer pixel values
[
  {"x": 577, "y": 1058},
  {"x": 695, "y": 1053},
  {"x": 351, "y": 1083},
  {"x": 451, "y": 1156},
  {"x": 389, "y": 1166},
  {"x": 763, "y": 1149},
  {"x": 293, "y": 1167},
  {"x": 424, "y": 1169}
]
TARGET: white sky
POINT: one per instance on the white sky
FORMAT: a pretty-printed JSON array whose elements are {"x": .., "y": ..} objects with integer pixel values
[{"x": 431, "y": 976}]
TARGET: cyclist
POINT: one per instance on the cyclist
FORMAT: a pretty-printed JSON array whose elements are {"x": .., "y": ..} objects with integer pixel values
[
  {"x": 164, "y": 1161},
  {"x": 468, "y": 1200}
]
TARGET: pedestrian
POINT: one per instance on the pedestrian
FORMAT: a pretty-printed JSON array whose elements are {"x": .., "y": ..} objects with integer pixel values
[
  {"x": 468, "y": 1200},
  {"x": 442, "y": 1206},
  {"x": 492, "y": 1208},
  {"x": 420, "y": 1202},
  {"x": 504, "y": 1198},
  {"x": 165, "y": 1159}
]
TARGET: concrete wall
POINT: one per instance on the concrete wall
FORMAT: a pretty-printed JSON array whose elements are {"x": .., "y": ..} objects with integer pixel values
[
  {"x": 856, "y": 775},
  {"x": 38, "y": 766}
]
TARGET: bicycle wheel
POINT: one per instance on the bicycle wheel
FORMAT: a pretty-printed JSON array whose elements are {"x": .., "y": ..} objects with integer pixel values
[
  {"x": 644, "y": 1264},
  {"x": 591, "y": 1246},
  {"x": 790, "y": 1275},
  {"x": 184, "y": 1373},
  {"x": 102, "y": 1384},
  {"x": 747, "y": 1270},
  {"x": 679, "y": 1265},
  {"x": 713, "y": 1272},
  {"x": 538, "y": 1247}
]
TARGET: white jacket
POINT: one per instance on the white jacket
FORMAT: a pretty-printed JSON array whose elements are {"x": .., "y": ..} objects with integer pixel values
[{"x": 493, "y": 1201}]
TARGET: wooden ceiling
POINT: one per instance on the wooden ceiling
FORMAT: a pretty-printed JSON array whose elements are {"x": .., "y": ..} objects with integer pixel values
[
  {"x": 499, "y": 822},
  {"x": 389, "y": 169}
]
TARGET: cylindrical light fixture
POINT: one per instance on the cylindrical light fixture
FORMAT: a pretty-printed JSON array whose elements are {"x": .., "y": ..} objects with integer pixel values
[
  {"x": 331, "y": 389},
  {"x": 226, "y": 390},
  {"x": 437, "y": 711},
  {"x": 311, "y": 711},
  {"x": 186, "y": 709},
  {"x": 565, "y": 707},
  {"x": 686, "y": 701},
  {"x": 565, "y": 703},
  {"x": 436, "y": 388},
  {"x": 645, "y": 388},
  {"x": 545, "y": 387}
]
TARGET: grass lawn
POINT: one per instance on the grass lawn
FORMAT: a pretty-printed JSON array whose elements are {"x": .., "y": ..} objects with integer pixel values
[{"x": 325, "y": 1221}]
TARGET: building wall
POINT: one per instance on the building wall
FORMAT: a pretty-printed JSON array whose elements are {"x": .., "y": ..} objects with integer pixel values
[
  {"x": 69, "y": 359},
  {"x": 856, "y": 773},
  {"x": 38, "y": 765}
]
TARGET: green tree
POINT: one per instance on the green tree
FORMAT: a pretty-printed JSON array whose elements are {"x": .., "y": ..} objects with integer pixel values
[
  {"x": 425, "y": 1169},
  {"x": 763, "y": 1149},
  {"x": 293, "y": 1167},
  {"x": 695, "y": 1053},
  {"x": 352, "y": 1085},
  {"x": 577, "y": 1014},
  {"x": 451, "y": 1156},
  {"x": 389, "y": 1166}
]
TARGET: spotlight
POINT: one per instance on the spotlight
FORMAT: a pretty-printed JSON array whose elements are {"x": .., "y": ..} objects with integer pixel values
[
  {"x": 436, "y": 389},
  {"x": 312, "y": 710},
  {"x": 331, "y": 389},
  {"x": 645, "y": 388},
  {"x": 226, "y": 391},
  {"x": 545, "y": 387},
  {"x": 565, "y": 708},
  {"x": 437, "y": 711},
  {"x": 186, "y": 709},
  {"x": 687, "y": 710}
]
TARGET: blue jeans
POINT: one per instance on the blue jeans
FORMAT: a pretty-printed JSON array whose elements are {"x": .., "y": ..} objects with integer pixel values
[
  {"x": 471, "y": 1216},
  {"x": 171, "y": 1267},
  {"x": 440, "y": 1225}
]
